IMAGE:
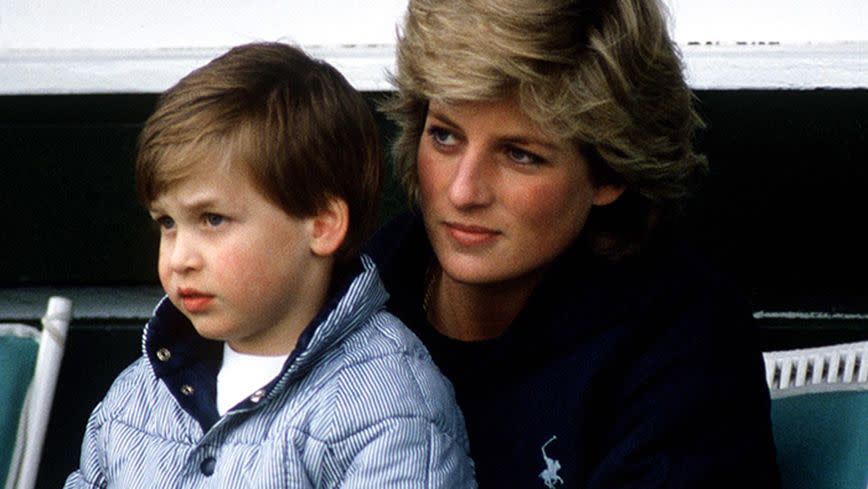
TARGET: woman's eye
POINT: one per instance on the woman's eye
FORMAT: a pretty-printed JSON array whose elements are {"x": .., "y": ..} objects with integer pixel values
[
  {"x": 441, "y": 137},
  {"x": 214, "y": 220},
  {"x": 523, "y": 157}
]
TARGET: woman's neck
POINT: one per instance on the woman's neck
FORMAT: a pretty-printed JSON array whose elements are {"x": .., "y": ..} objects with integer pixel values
[{"x": 472, "y": 312}]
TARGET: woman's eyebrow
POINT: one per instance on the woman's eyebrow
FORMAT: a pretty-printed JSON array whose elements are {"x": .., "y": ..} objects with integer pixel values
[
  {"x": 443, "y": 118},
  {"x": 520, "y": 139},
  {"x": 529, "y": 141}
]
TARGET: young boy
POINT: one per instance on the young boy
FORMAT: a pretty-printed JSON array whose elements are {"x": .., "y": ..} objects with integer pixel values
[{"x": 271, "y": 362}]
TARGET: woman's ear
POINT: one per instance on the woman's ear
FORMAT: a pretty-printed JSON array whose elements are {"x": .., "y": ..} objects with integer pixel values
[
  {"x": 330, "y": 227},
  {"x": 606, "y": 194}
]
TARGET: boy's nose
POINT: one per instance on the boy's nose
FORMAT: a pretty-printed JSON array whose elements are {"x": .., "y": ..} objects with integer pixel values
[{"x": 183, "y": 254}]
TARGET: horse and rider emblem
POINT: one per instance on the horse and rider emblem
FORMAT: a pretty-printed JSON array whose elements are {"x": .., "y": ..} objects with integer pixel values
[{"x": 550, "y": 475}]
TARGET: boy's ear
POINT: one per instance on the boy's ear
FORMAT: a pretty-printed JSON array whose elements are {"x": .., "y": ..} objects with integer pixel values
[{"x": 330, "y": 227}]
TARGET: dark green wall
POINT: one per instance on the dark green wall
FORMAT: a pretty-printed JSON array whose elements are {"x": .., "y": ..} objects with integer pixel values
[
  {"x": 782, "y": 208},
  {"x": 782, "y": 211},
  {"x": 785, "y": 202}
]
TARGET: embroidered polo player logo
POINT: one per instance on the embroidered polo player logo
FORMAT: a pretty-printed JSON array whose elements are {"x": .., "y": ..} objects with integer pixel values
[{"x": 550, "y": 475}]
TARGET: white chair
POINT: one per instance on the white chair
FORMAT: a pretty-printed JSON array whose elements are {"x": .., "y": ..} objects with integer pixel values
[
  {"x": 820, "y": 415},
  {"x": 27, "y": 350}
]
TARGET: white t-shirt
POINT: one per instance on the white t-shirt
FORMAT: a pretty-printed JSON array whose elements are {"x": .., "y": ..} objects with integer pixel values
[{"x": 242, "y": 374}]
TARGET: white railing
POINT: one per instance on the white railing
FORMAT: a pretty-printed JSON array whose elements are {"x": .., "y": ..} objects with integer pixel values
[{"x": 828, "y": 368}]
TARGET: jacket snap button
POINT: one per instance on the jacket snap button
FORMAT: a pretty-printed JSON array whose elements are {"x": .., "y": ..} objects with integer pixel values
[
  {"x": 187, "y": 390},
  {"x": 208, "y": 465},
  {"x": 163, "y": 354}
]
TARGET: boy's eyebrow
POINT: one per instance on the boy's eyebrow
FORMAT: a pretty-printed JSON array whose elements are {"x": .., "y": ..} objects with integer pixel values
[
  {"x": 195, "y": 204},
  {"x": 200, "y": 203}
]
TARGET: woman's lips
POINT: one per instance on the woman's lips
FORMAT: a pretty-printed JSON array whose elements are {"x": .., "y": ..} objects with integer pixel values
[
  {"x": 195, "y": 301},
  {"x": 470, "y": 235}
]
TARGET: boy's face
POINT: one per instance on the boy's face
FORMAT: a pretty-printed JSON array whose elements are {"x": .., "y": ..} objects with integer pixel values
[{"x": 235, "y": 263}]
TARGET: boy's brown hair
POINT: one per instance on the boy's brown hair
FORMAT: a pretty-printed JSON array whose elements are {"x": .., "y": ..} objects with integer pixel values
[{"x": 293, "y": 123}]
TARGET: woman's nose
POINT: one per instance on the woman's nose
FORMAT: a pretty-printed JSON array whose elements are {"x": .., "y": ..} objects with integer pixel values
[{"x": 471, "y": 184}]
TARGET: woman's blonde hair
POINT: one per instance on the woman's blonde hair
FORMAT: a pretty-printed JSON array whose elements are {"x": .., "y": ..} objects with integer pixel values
[{"x": 603, "y": 74}]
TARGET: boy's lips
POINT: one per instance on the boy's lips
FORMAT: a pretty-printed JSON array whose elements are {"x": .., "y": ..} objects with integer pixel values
[{"x": 194, "y": 300}]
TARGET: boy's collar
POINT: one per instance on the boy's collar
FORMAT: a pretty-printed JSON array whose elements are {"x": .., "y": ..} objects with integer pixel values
[{"x": 188, "y": 363}]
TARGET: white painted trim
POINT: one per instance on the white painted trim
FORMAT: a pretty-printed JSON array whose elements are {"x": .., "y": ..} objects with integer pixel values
[
  {"x": 726, "y": 66},
  {"x": 810, "y": 315},
  {"x": 155, "y": 70},
  {"x": 777, "y": 66},
  {"x": 96, "y": 302},
  {"x": 27, "y": 304}
]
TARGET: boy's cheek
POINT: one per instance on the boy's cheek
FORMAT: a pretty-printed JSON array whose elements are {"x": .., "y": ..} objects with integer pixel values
[
  {"x": 235, "y": 271},
  {"x": 238, "y": 268},
  {"x": 164, "y": 274}
]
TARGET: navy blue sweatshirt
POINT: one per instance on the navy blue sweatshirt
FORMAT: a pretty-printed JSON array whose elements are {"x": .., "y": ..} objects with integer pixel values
[{"x": 641, "y": 373}]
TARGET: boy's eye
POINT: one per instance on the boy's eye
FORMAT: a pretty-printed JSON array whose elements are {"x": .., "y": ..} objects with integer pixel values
[
  {"x": 165, "y": 222},
  {"x": 214, "y": 220}
]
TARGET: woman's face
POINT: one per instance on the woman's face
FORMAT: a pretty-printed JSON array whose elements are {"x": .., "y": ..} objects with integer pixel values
[{"x": 500, "y": 198}]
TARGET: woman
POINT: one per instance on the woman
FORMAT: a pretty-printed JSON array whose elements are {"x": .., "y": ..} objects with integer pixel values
[{"x": 547, "y": 145}]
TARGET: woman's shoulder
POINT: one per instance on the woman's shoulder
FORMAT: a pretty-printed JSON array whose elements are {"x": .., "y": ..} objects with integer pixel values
[
  {"x": 672, "y": 272},
  {"x": 687, "y": 279},
  {"x": 682, "y": 311},
  {"x": 669, "y": 297}
]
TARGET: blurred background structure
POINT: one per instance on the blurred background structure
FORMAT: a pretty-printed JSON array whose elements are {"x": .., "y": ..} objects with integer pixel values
[{"x": 782, "y": 84}]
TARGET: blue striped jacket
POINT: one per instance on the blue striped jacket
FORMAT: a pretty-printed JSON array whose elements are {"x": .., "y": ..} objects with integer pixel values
[{"x": 359, "y": 404}]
